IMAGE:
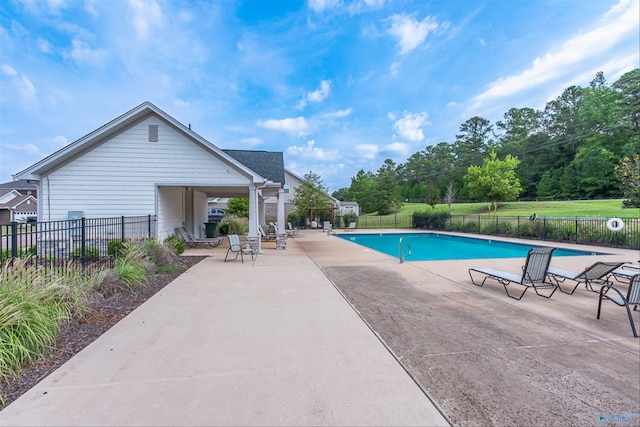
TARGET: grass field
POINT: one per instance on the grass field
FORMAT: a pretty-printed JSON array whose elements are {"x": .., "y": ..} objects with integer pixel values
[{"x": 579, "y": 208}]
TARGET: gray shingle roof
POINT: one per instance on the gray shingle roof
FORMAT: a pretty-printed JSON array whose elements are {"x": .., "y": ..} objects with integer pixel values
[
  {"x": 268, "y": 164},
  {"x": 20, "y": 184}
]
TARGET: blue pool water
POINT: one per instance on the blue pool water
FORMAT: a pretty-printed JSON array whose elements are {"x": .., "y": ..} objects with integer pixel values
[{"x": 433, "y": 246}]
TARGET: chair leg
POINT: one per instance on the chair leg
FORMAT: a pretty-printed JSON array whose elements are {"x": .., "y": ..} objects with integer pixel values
[
  {"x": 511, "y": 296},
  {"x": 633, "y": 326}
]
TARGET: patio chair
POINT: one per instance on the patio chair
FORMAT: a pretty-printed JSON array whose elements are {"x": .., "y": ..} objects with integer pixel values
[
  {"x": 236, "y": 247},
  {"x": 612, "y": 294},
  {"x": 191, "y": 241},
  {"x": 534, "y": 274},
  {"x": 595, "y": 274},
  {"x": 326, "y": 226},
  {"x": 351, "y": 227}
]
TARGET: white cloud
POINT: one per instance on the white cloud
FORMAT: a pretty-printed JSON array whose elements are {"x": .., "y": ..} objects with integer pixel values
[
  {"x": 296, "y": 126},
  {"x": 313, "y": 152},
  {"x": 145, "y": 16},
  {"x": 19, "y": 88},
  {"x": 398, "y": 148},
  {"x": 337, "y": 114},
  {"x": 409, "y": 126},
  {"x": 28, "y": 148},
  {"x": 409, "y": 32},
  {"x": 322, "y": 5},
  {"x": 620, "y": 22},
  {"x": 9, "y": 70},
  {"x": 367, "y": 151},
  {"x": 61, "y": 141},
  {"x": 82, "y": 52},
  {"x": 317, "y": 95}
]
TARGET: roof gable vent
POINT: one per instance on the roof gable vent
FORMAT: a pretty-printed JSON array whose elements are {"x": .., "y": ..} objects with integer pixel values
[{"x": 153, "y": 133}]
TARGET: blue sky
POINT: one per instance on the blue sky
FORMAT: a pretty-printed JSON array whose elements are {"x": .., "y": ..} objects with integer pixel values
[{"x": 336, "y": 85}]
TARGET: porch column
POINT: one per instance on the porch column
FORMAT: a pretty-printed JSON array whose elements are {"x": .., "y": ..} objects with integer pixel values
[
  {"x": 253, "y": 210},
  {"x": 280, "y": 215}
]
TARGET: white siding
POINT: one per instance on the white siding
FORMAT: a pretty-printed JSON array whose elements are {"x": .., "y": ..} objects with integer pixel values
[
  {"x": 119, "y": 177},
  {"x": 170, "y": 210}
]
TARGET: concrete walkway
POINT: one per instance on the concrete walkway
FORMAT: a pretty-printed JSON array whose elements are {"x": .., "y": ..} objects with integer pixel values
[{"x": 272, "y": 343}]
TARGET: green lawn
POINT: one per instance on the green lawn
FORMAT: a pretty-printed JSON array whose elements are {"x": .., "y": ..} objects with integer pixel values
[{"x": 580, "y": 208}]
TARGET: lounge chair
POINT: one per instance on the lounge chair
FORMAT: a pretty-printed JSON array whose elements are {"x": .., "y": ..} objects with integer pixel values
[
  {"x": 351, "y": 227},
  {"x": 236, "y": 247},
  {"x": 596, "y": 274},
  {"x": 291, "y": 232},
  {"x": 534, "y": 274},
  {"x": 623, "y": 275},
  {"x": 612, "y": 294},
  {"x": 191, "y": 241},
  {"x": 266, "y": 236}
]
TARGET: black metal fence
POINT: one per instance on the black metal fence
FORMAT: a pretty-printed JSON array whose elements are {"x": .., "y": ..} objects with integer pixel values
[
  {"x": 84, "y": 241},
  {"x": 578, "y": 230}
]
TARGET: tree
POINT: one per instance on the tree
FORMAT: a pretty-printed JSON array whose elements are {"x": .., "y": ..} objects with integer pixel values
[
  {"x": 494, "y": 180},
  {"x": 343, "y": 194},
  {"x": 451, "y": 194},
  {"x": 312, "y": 193},
  {"x": 387, "y": 189},
  {"x": 238, "y": 207},
  {"x": 628, "y": 172},
  {"x": 362, "y": 191}
]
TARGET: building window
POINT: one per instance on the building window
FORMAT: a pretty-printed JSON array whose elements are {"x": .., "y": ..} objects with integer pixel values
[{"x": 153, "y": 133}]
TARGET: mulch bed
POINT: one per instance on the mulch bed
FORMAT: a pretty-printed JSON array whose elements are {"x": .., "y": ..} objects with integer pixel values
[{"x": 83, "y": 330}]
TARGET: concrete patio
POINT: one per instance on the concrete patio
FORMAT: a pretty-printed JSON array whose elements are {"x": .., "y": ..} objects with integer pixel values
[{"x": 276, "y": 343}]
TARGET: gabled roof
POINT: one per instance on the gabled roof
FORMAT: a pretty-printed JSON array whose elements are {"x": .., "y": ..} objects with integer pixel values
[
  {"x": 269, "y": 164},
  {"x": 20, "y": 200},
  {"x": 334, "y": 200},
  {"x": 19, "y": 184},
  {"x": 116, "y": 126}
]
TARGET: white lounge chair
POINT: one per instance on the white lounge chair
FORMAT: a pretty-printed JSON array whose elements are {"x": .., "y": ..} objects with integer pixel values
[
  {"x": 595, "y": 274},
  {"x": 291, "y": 232},
  {"x": 351, "y": 227},
  {"x": 191, "y": 241},
  {"x": 534, "y": 274}
]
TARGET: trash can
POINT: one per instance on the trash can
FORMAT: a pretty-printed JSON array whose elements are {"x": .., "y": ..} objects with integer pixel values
[{"x": 211, "y": 228}]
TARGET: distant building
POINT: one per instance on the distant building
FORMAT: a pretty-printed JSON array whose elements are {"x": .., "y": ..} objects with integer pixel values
[{"x": 349, "y": 208}]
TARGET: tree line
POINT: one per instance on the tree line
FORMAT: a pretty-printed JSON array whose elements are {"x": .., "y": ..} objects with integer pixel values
[{"x": 585, "y": 144}]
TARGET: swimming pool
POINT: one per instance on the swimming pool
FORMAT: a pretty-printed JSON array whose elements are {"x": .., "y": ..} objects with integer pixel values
[{"x": 434, "y": 246}]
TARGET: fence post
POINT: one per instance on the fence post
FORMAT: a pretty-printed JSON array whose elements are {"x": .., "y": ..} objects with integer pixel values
[
  {"x": 14, "y": 239},
  {"x": 122, "y": 229},
  {"x": 576, "y": 230},
  {"x": 83, "y": 239},
  {"x": 518, "y": 227},
  {"x": 149, "y": 226}
]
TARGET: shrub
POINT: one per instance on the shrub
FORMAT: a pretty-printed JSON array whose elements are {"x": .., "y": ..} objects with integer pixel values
[
  {"x": 526, "y": 229},
  {"x": 349, "y": 218},
  {"x": 436, "y": 221},
  {"x": 175, "y": 243},
  {"x": 34, "y": 303},
  {"x": 90, "y": 254},
  {"x": 233, "y": 225},
  {"x": 20, "y": 252},
  {"x": 115, "y": 248}
]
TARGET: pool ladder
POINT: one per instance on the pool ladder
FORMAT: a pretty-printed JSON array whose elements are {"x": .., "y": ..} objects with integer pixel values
[{"x": 402, "y": 239}]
